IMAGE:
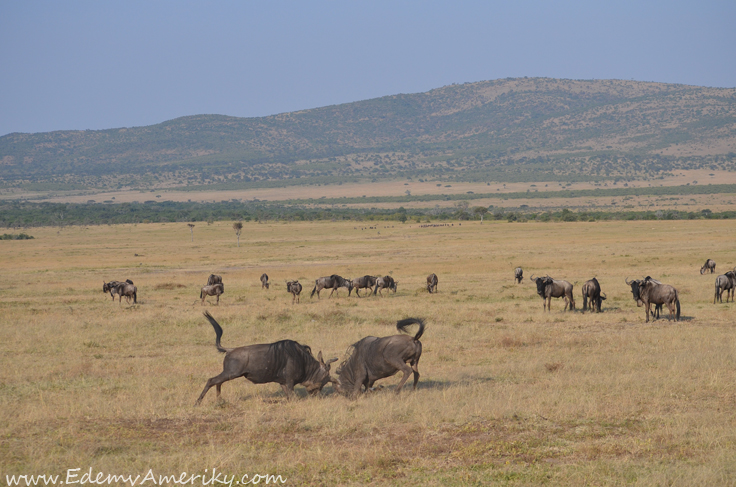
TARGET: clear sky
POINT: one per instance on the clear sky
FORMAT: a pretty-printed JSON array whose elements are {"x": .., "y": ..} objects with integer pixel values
[{"x": 105, "y": 64}]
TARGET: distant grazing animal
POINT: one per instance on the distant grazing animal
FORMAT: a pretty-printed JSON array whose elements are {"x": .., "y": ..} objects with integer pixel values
[
  {"x": 213, "y": 290},
  {"x": 285, "y": 362},
  {"x": 264, "y": 281},
  {"x": 710, "y": 265},
  {"x": 373, "y": 358},
  {"x": 295, "y": 289},
  {"x": 385, "y": 282},
  {"x": 111, "y": 287},
  {"x": 432, "y": 283},
  {"x": 651, "y": 292},
  {"x": 363, "y": 283},
  {"x": 548, "y": 288},
  {"x": 126, "y": 289},
  {"x": 333, "y": 282},
  {"x": 725, "y": 282},
  {"x": 214, "y": 279},
  {"x": 592, "y": 291},
  {"x": 518, "y": 275}
]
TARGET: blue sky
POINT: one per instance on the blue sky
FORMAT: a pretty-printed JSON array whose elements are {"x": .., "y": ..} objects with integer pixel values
[{"x": 97, "y": 65}]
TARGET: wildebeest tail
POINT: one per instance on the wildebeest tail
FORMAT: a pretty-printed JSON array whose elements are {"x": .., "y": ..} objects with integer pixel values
[
  {"x": 677, "y": 303},
  {"x": 401, "y": 326},
  {"x": 218, "y": 332},
  {"x": 313, "y": 290},
  {"x": 135, "y": 296}
]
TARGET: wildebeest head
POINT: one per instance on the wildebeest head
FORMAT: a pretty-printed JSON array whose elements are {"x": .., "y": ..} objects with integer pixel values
[
  {"x": 320, "y": 378},
  {"x": 636, "y": 285},
  {"x": 542, "y": 283}
]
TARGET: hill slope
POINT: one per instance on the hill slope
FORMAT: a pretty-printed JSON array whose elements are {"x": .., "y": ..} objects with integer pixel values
[{"x": 503, "y": 130}]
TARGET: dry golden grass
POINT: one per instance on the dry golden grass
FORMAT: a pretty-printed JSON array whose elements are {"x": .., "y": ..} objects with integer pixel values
[{"x": 508, "y": 394}]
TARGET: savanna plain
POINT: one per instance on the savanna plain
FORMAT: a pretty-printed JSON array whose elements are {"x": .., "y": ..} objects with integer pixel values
[{"x": 508, "y": 394}]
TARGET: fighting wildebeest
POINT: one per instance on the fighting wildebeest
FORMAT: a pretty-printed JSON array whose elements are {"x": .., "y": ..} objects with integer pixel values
[
  {"x": 112, "y": 286},
  {"x": 214, "y": 279},
  {"x": 592, "y": 292},
  {"x": 725, "y": 282},
  {"x": 710, "y": 265},
  {"x": 126, "y": 289},
  {"x": 651, "y": 292},
  {"x": 363, "y": 283},
  {"x": 212, "y": 290},
  {"x": 518, "y": 275},
  {"x": 385, "y": 282},
  {"x": 295, "y": 289},
  {"x": 549, "y": 288},
  {"x": 285, "y": 362},
  {"x": 432, "y": 283},
  {"x": 264, "y": 281},
  {"x": 374, "y": 358},
  {"x": 333, "y": 282}
]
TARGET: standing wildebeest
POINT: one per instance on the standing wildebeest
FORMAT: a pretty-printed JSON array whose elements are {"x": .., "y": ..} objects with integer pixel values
[
  {"x": 518, "y": 275},
  {"x": 112, "y": 286},
  {"x": 385, "y": 282},
  {"x": 212, "y": 290},
  {"x": 710, "y": 265},
  {"x": 432, "y": 283},
  {"x": 214, "y": 279},
  {"x": 549, "y": 288},
  {"x": 363, "y": 283},
  {"x": 264, "y": 281},
  {"x": 285, "y": 362},
  {"x": 725, "y": 282},
  {"x": 126, "y": 289},
  {"x": 651, "y": 292},
  {"x": 295, "y": 289},
  {"x": 374, "y": 358},
  {"x": 657, "y": 307},
  {"x": 592, "y": 291},
  {"x": 333, "y": 282}
]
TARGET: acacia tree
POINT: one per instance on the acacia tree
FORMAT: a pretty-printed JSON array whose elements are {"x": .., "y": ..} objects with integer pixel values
[
  {"x": 480, "y": 210},
  {"x": 191, "y": 229},
  {"x": 238, "y": 227}
]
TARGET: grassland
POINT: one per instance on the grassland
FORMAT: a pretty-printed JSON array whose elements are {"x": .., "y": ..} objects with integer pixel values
[{"x": 509, "y": 395}]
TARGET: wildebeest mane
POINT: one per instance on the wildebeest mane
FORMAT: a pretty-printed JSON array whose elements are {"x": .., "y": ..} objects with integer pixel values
[
  {"x": 280, "y": 352},
  {"x": 348, "y": 368}
]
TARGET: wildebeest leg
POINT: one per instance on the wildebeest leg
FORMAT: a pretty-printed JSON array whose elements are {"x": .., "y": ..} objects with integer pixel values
[
  {"x": 647, "y": 308},
  {"x": 357, "y": 292},
  {"x": 333, "y": 290},
  {"x": 216, "y": 381},
  {"x": 218, "y": 300},
  {"x": 415, "y": 368},
  {"x": 405, "y": 369},
  {"x": 288, "y": 390}
]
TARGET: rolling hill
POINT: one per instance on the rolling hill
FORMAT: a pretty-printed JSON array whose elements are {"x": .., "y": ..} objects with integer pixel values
[{"x": 502, "y": 130}]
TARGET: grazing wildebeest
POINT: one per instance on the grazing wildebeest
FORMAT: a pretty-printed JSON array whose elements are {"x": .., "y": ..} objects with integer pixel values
[
  {"x": 126, "y": 289},
  {"x": 212, "y": 290},
  {"x": 112, "y": 286},
  {"x": 650, "y": 292},
  {"x": 363, "y": 283},
  {"x": 518, "y": 275},
  {"x": 725, "y": 282},
  {"x": 295, "y": 289},
  {"x": 385, "y": 282},
  {"x": 374, "y": 358},
  {"x": 549, "y": 288},
  {"x": 592, "y": 292},
  {"x": 214, "y": 279},
  {"x": 285, "y": 362},
  {"x": 333, "y": 282},
  {"x": 710, "y": 265},
  {"x": 432, "y": 283},
  {"x": 264, "y": 281}
]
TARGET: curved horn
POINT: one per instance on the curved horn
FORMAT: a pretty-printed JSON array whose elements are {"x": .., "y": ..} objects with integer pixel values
[
  {"x": 532, "y": 278},
  {"x": 627, "y": 280},
  {"x": 604, "y": 295}
]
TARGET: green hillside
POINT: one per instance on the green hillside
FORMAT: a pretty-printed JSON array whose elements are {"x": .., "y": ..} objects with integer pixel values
[{"x": 503, "y": 130}]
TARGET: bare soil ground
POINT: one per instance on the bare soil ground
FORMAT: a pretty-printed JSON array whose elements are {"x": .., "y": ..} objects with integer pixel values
[{"x": 508, "y": 395}]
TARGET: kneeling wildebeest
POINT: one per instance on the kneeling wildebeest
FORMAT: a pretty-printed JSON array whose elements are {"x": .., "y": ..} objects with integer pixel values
[
  {"x": 285, "y": 362},
  {"x": 214, "y": 279},
  {"x": 549, "y": 288},
  {"x": 374, "y": 358},
  {"x": 295, "y": 289},
  {"x": 385, "y": 282},
  {"x": 432, "y": 283},
  {"x": 651, "y": 292},
  {"x": 264, "y": 281},
  {"x": 333, "y": 282},
  {"x": 363, "y": 283},
  {"x": 518, "y": 275},
  {"x": 725, "y": 282},
  {"x": 710, "y": 265},
  {"x": 592, "y": 292},
  {"x": 213, "y": 290}
]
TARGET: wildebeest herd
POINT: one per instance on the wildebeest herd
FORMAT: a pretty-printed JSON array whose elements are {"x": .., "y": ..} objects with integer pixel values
[{"x": 289, "y": 363}]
